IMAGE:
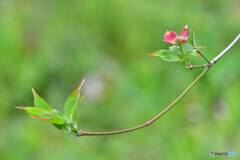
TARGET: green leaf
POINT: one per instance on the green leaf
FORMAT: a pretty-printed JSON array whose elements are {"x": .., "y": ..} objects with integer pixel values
[
  {"x": 51, "y": 116},
  {"x": 193, "y": 37},
  {"x": 175, "y": 49},
  {"x": 39, "y": 102},
  {"x": 187, "y": 48},
  {"x": 71, "y": 103},
  {"x": 167, "y": 55}
]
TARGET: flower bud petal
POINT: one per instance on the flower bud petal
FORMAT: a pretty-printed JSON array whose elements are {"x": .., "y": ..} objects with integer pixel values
[
  {"x": 169, "y": 37},
  {"x": 185, "y": 32}
]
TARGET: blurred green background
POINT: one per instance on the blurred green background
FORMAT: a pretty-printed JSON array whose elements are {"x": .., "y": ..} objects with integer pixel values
[{"x": 52, "y": 45}]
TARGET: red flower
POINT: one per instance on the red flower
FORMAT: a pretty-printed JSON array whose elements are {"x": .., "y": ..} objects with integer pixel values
[{"x": 172, "y": 37}]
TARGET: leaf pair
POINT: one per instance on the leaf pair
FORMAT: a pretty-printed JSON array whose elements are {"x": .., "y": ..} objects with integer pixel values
[{"x": 46, "y": 113}]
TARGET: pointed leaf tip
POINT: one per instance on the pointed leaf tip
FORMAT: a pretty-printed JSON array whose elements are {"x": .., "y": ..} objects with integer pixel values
[
  {"x": 80, "y": 86},
  {"x": 18, "y": 107},
  {"x": 40, "y": 102},
  {"x": 34, "y": 93},
  {"x": 153, "y": 54}
]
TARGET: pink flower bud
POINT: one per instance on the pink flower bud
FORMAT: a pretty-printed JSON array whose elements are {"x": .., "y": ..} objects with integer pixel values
[{"x": 173, "y": 38}]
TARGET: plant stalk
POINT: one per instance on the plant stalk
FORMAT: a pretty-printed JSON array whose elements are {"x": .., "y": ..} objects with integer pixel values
[
  {"x": 197, "y": 66},
  {"x": 200, "y": 53},
  {"x": 85, "y": 133},
  {"x": 182, "y": 51}
]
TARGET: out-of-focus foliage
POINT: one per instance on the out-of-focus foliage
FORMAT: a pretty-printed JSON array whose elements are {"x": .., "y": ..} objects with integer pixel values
[{"x": 51, "y": 45}]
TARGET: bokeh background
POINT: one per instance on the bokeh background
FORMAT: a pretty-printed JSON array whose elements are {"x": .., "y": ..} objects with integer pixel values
[{"x": 52, "y": 45}]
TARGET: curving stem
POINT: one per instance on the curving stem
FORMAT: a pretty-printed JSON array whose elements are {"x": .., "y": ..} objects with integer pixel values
[{"x": 85, "y": 133}]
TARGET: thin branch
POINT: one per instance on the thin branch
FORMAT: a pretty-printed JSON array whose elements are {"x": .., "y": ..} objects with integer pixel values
[
  {"x": 225, "y": 50},
  {"x": 85, "y": 133},
  {"x": 197, "y": 66},
  {"x": 181, "y": 95},
  {"x": 200, "y": 53}
]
